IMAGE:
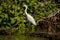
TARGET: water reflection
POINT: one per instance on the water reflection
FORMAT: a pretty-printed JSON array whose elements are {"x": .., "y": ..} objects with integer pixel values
[{"x": 20, "y": 37}]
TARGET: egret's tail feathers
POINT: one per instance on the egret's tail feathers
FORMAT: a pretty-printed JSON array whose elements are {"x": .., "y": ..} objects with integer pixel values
[{"x": 34, "y": 23}]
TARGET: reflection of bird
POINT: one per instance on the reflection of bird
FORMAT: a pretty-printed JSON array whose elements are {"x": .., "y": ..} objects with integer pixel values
[{"x": 29, "y": 17}]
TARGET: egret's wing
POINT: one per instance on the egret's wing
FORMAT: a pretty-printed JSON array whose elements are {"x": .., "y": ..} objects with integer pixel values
[{"x": 31, "y": 19}]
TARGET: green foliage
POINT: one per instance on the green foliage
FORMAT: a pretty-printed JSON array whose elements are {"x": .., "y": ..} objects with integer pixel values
[{"x": 12, "y": 12}]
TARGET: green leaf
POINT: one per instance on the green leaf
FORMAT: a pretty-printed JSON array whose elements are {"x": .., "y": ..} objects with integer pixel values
[
  {"x": 12, "y": 20},
  {"x": 6, "y": 16},
  {"x": 0, "y": 20}
]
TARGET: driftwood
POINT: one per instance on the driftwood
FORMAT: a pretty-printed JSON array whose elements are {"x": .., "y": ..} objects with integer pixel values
[{"x": 49, "y": 26}]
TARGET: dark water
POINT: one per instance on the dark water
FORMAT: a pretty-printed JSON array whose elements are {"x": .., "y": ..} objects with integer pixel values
[{"x": 20, "y": 37}]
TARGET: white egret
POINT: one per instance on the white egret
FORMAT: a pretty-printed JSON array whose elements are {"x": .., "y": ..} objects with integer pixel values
[{"x": 29, "y": 17}]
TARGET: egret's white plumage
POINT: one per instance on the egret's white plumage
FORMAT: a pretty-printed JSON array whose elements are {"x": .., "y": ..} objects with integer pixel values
[{"x": 29, "y": 17}]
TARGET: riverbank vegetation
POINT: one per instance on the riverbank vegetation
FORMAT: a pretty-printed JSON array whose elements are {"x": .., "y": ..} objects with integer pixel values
[{"x": 13, "y": 17}]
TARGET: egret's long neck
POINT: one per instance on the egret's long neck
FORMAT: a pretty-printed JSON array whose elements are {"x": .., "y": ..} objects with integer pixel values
[{"x": 26, "y": 10}]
